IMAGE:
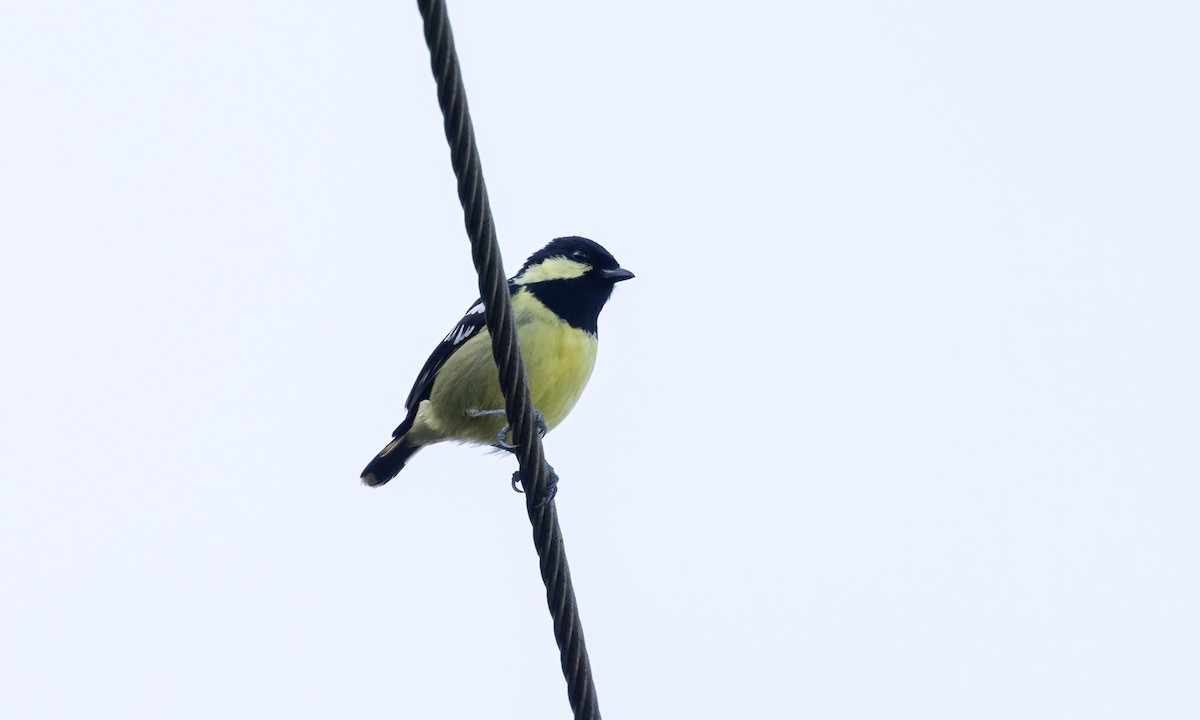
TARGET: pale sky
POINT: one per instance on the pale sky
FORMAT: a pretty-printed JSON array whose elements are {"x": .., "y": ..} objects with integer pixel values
[{"x": 899, "y": 419}]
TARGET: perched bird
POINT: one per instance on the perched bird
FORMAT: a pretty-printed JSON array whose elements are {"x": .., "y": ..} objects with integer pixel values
[{"x": 556, "y": 298}]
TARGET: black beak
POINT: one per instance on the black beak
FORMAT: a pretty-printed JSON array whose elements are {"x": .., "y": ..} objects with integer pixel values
[{"x": 616, "y": 275}]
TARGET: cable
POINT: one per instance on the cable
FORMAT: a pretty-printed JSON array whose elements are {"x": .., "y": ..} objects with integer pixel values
[{"x": 493, "y": 288}]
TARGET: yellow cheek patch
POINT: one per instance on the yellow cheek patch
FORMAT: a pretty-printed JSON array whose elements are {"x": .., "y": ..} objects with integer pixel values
[{"x": 555, "y": 268}]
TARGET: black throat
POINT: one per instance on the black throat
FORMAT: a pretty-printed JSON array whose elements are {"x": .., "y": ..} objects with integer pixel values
[{"x": 577, "y": 301}]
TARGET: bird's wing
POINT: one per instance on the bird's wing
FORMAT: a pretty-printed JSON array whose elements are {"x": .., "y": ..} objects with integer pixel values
[{"x": 466, "y": 329}]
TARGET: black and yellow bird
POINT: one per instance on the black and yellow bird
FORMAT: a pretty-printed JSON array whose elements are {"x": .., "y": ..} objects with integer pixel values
[{"x": 556, "y": 298}]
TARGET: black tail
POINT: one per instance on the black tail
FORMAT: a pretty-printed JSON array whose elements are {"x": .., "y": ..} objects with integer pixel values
[{"x": 388, "y": 462}]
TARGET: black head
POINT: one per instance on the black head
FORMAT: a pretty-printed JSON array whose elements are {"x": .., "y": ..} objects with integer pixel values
[{"x": 574, "y": 277}]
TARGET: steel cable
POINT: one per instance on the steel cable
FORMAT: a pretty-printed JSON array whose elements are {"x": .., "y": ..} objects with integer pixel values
[{"x": 493, "y": 288}]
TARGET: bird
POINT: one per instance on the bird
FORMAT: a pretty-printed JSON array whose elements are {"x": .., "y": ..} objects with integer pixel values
[{"x": 557, "y": 296}]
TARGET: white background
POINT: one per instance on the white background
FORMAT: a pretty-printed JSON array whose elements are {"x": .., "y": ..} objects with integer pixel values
[{"x": 899, "y": 418}]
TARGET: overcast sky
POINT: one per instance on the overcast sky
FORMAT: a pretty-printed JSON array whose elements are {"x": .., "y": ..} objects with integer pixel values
[{"x": 900, "y": 418}]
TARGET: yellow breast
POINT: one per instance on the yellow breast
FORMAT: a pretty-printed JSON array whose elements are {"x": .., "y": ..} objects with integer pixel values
[{"x": 558, "y": 360}]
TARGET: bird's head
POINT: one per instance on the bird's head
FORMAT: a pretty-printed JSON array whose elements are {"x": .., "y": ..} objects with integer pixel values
[
  {"x": 574, "y": 277},
  {"x": 571, "y": 258}
]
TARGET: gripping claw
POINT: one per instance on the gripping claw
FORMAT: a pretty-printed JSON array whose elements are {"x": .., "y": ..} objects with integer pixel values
[
  {"x": 538, "y": 419},
  {"x": 547, "y": 494}
]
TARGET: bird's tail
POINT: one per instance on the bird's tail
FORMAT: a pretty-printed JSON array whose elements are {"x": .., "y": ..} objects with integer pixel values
[{"x": 389, "y": 462}]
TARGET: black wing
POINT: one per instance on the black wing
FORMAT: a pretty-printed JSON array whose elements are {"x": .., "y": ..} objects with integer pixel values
[{"x": 466, "y": 329}]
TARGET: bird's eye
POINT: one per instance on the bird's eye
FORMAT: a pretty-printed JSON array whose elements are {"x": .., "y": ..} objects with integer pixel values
[{"x": 580, "y": 256}]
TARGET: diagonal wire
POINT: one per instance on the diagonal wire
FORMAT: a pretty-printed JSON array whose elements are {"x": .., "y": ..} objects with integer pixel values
[{"x": 493, "y": 288}]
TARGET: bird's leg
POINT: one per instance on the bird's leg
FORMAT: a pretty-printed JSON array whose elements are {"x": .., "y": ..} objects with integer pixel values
[
  {"x": 485, "y": 413},
  {"x": 547, "y": 494},
  {"x": 538, "y": 419},
  {"x": 500, "y": 443}
]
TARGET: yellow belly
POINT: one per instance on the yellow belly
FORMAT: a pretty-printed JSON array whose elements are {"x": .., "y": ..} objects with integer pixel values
[{"x": 558, "y": 360}]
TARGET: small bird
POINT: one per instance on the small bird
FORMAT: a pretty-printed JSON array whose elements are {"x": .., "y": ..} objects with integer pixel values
[{"x": 556, "y": 298}]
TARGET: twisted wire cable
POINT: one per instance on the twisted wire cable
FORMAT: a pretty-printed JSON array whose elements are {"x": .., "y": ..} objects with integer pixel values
[{"x": 493, "y": 288}]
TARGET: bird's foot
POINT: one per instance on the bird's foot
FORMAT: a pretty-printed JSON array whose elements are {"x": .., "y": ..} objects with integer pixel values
[
  {"x": 547, "y": 493},
  {"x": 538, "y": 419}
]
